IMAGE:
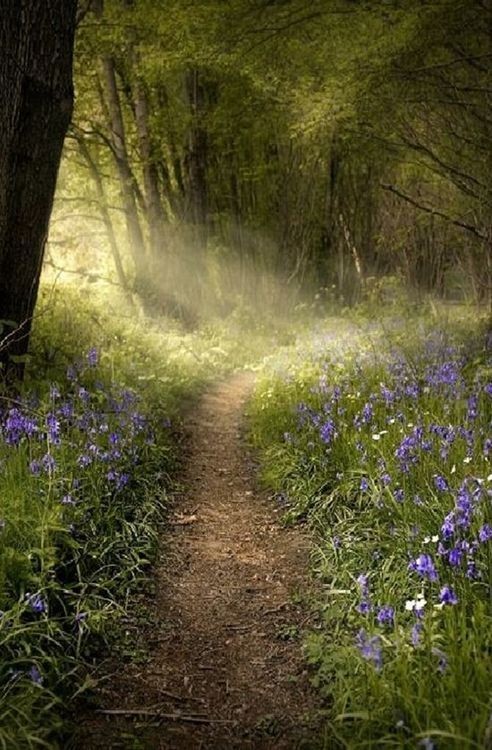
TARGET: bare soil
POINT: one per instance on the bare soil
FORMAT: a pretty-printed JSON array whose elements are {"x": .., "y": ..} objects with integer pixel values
[{"x": 225, "y": 667}]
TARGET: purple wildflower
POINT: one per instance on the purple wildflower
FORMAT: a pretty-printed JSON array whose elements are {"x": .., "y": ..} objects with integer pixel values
[
  {"x": 385, "y": 615},
  {"x": 93, "y": 357},
  {"x": 442, "y": 661},
  {"x": 370, "y": 648},
  {"x": 440, "y": 483},
  {"x": 36, "y": 602},
  {"x": 455, "y": 556},
  {"x": 363, "y": 582},
  {"x": 424, "y": 566},
  {"x": 35, "y": 468},
  {"x": 416, "y": 633},
  {"x": 327, "y": 431},
  {"x": 48, "y": 463},
  {"x": 447, "y": 596},
  {"x": 485, "y": 533},
  {"x": 399, "y": 495},
  {"x": 35, "y": 675}
]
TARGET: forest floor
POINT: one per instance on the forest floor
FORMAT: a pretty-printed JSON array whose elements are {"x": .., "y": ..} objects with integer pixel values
[{"x": 224, "y": 667}]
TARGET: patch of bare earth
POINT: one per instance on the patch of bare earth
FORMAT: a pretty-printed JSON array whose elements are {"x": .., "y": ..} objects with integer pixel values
[{"x": 225, "y": 667}]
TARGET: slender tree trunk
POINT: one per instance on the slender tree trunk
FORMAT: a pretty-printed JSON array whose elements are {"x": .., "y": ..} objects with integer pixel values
[
  {"x": 36, "y": 48},
  {"x": 135, "y": 236},
  {"x": 155, "y": 211},
  {"x": 105, "y": 216},
  {"x": 196, "y": 160}
]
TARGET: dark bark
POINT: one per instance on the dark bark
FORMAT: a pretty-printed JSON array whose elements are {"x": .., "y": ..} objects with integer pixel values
[{"x": 36, "y": 48}]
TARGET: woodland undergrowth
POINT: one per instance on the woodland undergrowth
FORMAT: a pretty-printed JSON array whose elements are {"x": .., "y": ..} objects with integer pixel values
[
  {"x": 88, "y": 450},
  {"x": 378, "y": 434}
]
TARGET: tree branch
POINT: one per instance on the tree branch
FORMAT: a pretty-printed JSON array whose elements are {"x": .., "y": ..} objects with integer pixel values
[{"x": 433, "y": 211}]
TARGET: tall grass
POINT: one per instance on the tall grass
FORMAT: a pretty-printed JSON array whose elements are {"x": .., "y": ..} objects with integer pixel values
[{"x": 382, "y": 440}]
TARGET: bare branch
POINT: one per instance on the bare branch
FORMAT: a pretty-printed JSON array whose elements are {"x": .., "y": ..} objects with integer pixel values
[{"x": 434, "y": 211}]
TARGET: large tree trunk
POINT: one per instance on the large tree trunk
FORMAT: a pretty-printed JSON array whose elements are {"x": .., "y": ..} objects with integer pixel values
[{"x": 36, "y": 48}]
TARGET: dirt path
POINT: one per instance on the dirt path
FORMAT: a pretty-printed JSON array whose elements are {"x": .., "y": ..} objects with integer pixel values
[{"x": 225, "y": 659}]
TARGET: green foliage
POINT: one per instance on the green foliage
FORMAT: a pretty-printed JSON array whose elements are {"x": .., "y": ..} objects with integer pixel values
[{"x": 377, "y": 436}]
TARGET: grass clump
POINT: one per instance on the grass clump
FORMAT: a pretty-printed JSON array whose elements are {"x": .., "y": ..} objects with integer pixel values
[{"x": 381, "y": 438}]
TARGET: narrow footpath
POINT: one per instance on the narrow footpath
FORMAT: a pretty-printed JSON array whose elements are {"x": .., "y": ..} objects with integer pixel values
[{"x": 225, "y": 668}]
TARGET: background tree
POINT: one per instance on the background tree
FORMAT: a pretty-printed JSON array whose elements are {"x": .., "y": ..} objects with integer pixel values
[{"x": 326, "y": 145}]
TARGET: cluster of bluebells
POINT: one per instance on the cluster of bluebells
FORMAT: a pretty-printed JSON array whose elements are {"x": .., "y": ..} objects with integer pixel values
[
  {"x": 102, "y": 427},
  {"x": 418, "y": 439},
  {"x": 86, "y": 438}
]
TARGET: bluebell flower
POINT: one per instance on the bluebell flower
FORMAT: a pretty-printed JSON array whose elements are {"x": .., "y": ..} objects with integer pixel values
[
  {"x": 35, "y": 468},
  {"x": 472, "y": 407},
  {"x": 35, "y": 675},
  {"x": 367, "y": 413},
  {"x": 54, "y": 392},
  {"x": 370, "y": 648},
  {"x": 328, "y": 431},
  {"x": 93, "y": 357},
  {"x": 448, "y": 596},
  {"x": 363, "y": 582},
  {"x": 53, "y": 428},
  {"x": 424, "y": 566},
  {"x": 416, "y": 633},
  {"x": 440, "y": 483},
  {"x": 364, "y": 607},
  {"x": 48, "y": 463},
  {"x": 448, "y": 527},
  {"x": 36, "y": 602},
  {"x": 399, "y": 495},
  {"x": 385, "y": 615},
  {"x": 412, "y": 390},
  {"x": 442, "y": 661},
  {"x": 485, "y": 533},
  {"x": 455, "y": 555}
]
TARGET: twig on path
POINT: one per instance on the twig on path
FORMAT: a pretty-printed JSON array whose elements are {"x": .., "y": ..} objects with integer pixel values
[
  {"x": 275, "y": 610},
  {"x": 239, "y": 629},
  {"x": 145, "y": 712},
  {"x": 173, "y": 696},
  {"x": 182, "y": 520}
]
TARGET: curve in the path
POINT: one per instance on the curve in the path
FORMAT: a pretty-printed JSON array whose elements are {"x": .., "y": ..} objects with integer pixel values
[{"x": 226, "y": 668}]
